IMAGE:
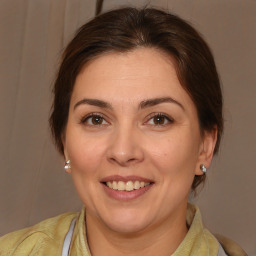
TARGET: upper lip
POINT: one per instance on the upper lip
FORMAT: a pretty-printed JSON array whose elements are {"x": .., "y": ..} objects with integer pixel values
[{"x": 125, "y": 178}]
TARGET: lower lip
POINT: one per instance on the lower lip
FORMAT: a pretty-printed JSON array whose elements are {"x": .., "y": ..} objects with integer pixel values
[{"x": 126, "y": 195}]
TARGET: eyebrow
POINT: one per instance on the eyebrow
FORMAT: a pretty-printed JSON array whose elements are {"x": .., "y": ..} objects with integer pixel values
[
  {"x": 156, "y": 101},
  {"x": 144, "y": 104},
  {"x": 93, "y": 102}
]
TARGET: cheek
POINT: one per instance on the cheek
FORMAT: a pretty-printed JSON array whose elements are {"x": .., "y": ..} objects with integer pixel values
[
  {"x": 175, "y": 155},
  {"x": 85, "y": 153}
]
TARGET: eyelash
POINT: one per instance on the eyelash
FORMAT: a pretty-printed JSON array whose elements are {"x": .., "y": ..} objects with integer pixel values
[
  {"x": 91, "y": 115},
  {"x": 168, "y": 119}
]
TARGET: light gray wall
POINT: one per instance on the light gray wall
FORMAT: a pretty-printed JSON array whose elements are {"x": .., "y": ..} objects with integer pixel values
[{"x": 33, "y": 185}]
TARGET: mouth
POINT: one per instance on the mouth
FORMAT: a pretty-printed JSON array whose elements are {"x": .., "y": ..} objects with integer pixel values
[{"x": 126, "y": 186}]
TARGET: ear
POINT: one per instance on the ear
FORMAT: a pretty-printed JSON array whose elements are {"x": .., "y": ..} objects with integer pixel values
[
  {"x": 66, "y": 156},
  {"x": 206, "y": 150}
]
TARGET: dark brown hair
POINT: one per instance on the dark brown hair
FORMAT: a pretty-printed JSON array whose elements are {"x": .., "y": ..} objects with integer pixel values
[{"x": 126, "y": 29}]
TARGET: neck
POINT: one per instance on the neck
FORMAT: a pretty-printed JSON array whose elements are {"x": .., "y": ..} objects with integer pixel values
[{"x": 162, "y": 238}]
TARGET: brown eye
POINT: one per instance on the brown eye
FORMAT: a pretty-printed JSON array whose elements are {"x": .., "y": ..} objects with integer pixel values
[
  {"x": 159, "y": 120},
  {"x": 94, "y": 120}
]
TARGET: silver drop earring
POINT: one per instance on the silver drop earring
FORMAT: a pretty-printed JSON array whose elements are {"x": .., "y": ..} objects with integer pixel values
[
  {"x": 203, "y": 168},
  {"x": 67, "y": 165}
]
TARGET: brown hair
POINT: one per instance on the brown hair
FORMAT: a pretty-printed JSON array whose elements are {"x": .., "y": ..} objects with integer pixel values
[{"x": 125, "y": 29}]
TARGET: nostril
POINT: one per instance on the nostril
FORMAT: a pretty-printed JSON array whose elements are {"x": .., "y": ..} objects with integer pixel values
[
  {"x": 123, "y": 161},
  {"x": 132, "y": 160},
  {"x": 124, "y": 153}
]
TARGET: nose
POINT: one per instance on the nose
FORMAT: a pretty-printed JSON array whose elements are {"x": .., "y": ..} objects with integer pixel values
[{"x": 125, "y": 147}]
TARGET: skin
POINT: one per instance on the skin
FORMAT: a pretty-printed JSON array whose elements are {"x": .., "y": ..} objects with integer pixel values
[{"x": 129, "y": 140}]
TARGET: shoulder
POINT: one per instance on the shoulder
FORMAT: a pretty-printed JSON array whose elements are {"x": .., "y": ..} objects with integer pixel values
[
  {"x": 44, "y": 237},
  {"x": 230, "y": 247},
  {"x": 194, "y": 220}
]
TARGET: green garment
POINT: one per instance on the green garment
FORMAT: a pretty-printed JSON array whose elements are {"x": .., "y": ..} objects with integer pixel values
[{"x": 47, "y": 237}]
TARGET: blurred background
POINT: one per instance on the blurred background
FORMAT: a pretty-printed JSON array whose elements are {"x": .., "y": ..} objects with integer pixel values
[{"x": 33, "y": 185}]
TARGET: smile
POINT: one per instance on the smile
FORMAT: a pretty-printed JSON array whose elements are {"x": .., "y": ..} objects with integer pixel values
[{"x": 127, "y": 186}]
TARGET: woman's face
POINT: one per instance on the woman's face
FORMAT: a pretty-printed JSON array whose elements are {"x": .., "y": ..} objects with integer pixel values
[{"x": 133, "y": 140}]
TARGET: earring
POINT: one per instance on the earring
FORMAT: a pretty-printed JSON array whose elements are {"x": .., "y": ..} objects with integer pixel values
[
  {"x": 203, "y": 168},
  {"x": 67, "y": 165}
]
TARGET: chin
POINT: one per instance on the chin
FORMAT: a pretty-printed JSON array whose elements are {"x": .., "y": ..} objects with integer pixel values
[{"x": 126, "y": 223}]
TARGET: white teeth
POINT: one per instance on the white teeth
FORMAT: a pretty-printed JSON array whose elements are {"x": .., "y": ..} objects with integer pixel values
[
  {"x": 109, "y": 184},
  {"x": 120, "y": 185},
  {"x": 114, "y": 185},
  {"x": 128, "y": 186},
  {"x": 136, "y": 184}
]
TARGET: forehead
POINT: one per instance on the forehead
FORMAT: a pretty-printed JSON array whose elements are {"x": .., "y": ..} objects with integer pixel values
[
  {"x": 130, "y": 61},
  {"x": 137, "y": 75}
]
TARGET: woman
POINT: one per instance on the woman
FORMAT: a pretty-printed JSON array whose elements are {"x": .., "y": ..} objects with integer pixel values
[{"x": 137, "y": 115}]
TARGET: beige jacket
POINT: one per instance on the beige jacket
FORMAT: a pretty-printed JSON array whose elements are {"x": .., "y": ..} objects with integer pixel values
[{"x": 47, "y": 238}]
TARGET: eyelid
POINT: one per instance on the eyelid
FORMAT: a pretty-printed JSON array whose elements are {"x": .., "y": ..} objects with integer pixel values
[
  {"x": 148, "y": 118},
  {"x": 161, "y": 114},
  {"x": 93, "y": 114}
]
